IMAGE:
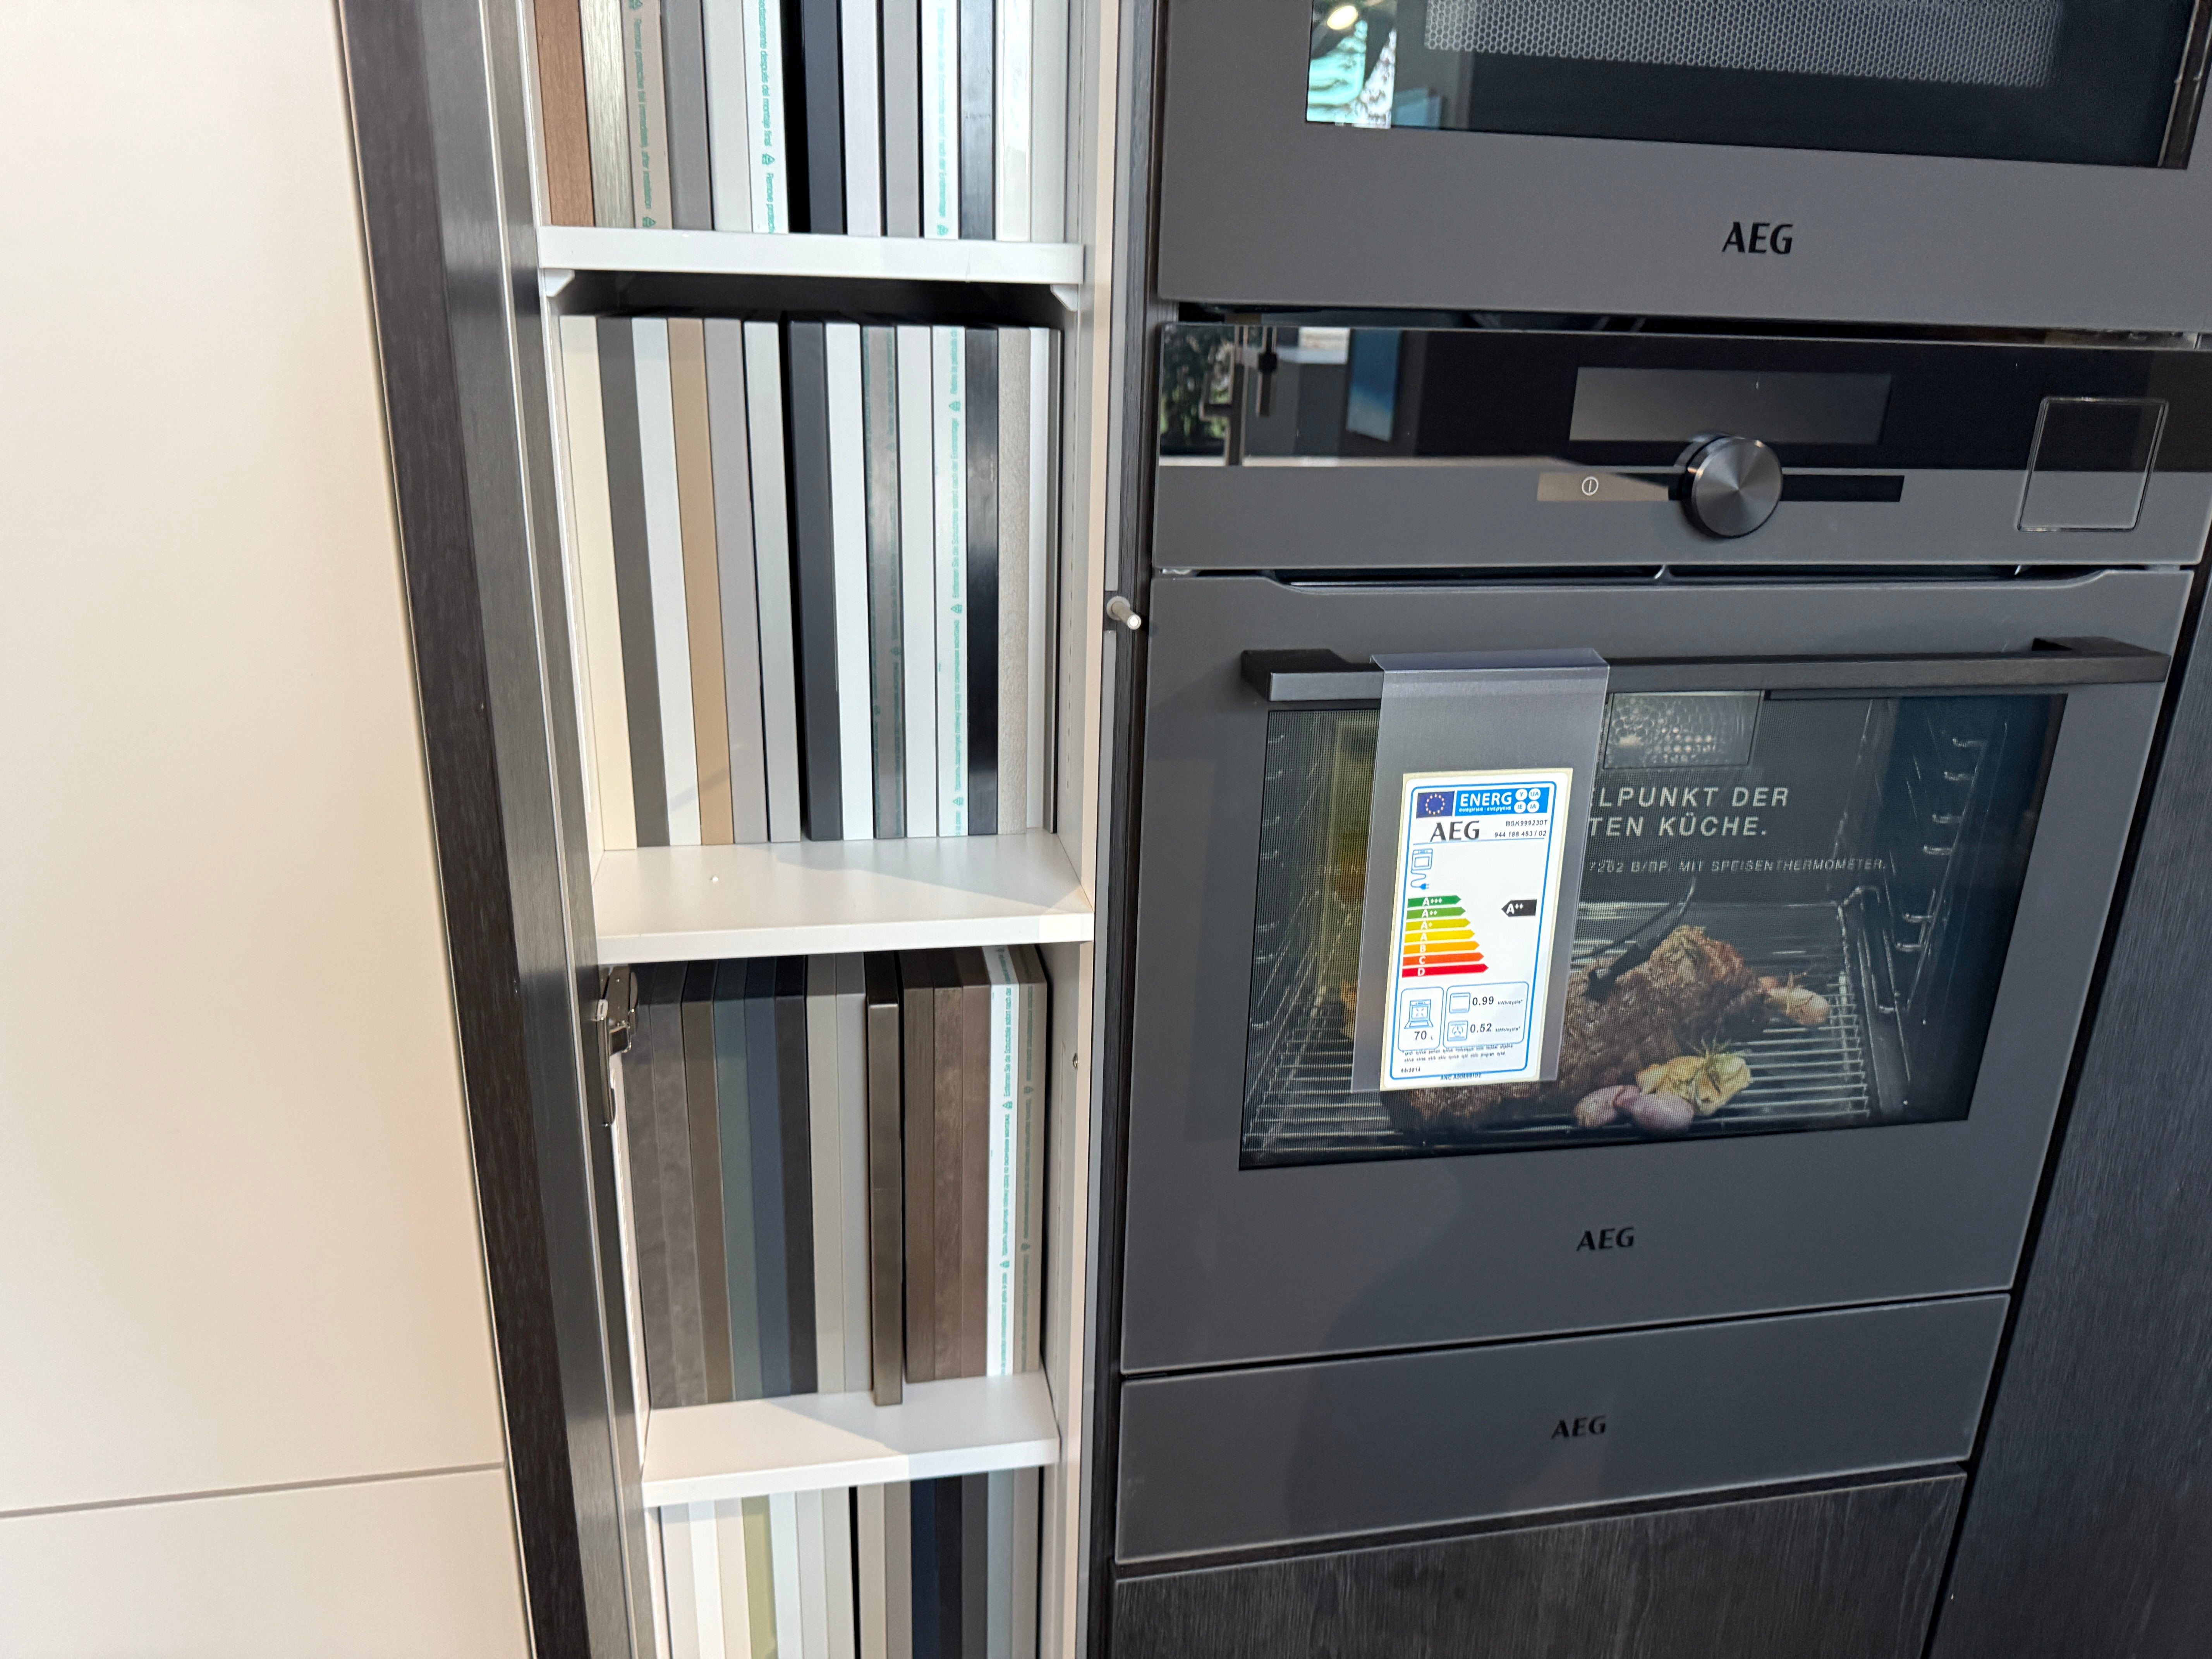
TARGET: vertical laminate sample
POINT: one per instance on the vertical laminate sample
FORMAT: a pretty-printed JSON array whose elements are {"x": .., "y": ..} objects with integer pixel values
[
  {"x": 886, "y": 1178},
  {"x": 920, "y": 972},
  {"x": 863, "y": 98},
  {"x": 672, "y": 1097},
  {"x": 948, "y": 1152},
  {"x": 606, "y": 110},
  {"x": 974, "y": 1161},
  {"x": 703, "y": 1110},
  {"x": 730, "y": 442},
  {"x": 561, "y": 119},
  {"x": 664, "y": 559},
  {"x": 902, "y": 115},
  {"x": 771, "y": 1248},
  {"x": 849, "y": 535},
  {"x": 730, "y": 149},
  {"x": 599, "y": 602},
  {"x": 925, "y": 1623},
  {"x": 917, "y": 540},
  {"x": 798, "y": 1168},
  {"x": 740, "y": 1259},
  {"x": 1849, "y": 1573},
  {"x": 978, "y": 139},
  {"x": 703, "y": 585},
  {"x": 822, "y": 69},
  {"x": 772, "y": 566},
  {"x": 852, "y": 1035},
  {"x": 645, "y": 79},
  {"x": 948, "y": 469},
  {"x": 982, "y": 552},
  {"x": 1013, "y": 594},
  {"x": 886, "y": 658},
  {"x": 814, "y": 563},
  {"x": 826, "y": 1138},
  {"x": 649, "y": 1052},
  {"x": 633, "y": 577},
  {"x": 683, "y": 57}
]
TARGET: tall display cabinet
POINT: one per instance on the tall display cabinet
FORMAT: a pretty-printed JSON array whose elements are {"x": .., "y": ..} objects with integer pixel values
[{"x": 469, "y": 282}]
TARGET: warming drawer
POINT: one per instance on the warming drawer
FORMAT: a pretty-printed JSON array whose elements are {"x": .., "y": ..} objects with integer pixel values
[{"x": 1298, "y": 1452}]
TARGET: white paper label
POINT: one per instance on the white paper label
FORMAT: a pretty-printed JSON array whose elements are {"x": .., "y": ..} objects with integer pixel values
[{"x": 1479, "y": 858}]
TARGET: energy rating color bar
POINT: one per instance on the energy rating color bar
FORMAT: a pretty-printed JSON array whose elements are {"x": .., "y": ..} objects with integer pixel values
[{"x": 1438, "y": 941}]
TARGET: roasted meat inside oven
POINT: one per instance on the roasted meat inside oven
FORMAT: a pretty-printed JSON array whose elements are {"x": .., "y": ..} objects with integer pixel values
[{"x": 1693, "y": 995}]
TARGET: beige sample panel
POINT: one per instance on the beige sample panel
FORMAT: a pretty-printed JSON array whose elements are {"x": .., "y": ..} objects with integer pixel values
[{"x": 235, "y": 1203}]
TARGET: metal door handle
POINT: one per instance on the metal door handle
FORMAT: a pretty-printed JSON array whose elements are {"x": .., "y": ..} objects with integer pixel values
[{"x": 1323, "y": 677}]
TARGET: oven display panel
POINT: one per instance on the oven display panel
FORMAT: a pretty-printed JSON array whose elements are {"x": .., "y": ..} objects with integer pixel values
[
  {"x": 1478, "y": 860},
  {"x": 1795, "y": 913}
]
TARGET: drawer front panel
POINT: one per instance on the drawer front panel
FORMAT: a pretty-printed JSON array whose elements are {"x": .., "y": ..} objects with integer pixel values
[
  {"x": 1298, "y": 1453},
  {"x": 1849, "y": 1573}
]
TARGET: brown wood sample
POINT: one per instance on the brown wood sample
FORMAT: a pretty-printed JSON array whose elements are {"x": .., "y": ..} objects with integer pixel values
[
  {"x": 918, "y": 975},
  {"x": 559, "y": 30},
  {"x": 703, "y": 579},
  {"x": 975, "y": 1160}
]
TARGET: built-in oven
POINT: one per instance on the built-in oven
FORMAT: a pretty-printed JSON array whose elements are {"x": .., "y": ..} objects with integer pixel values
[
  {"x": 1973, "y": 161},
  {"x": 1703, "y": 1155}
]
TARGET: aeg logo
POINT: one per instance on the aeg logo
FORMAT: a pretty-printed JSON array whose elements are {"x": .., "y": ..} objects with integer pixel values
[
  {"x": 1761, "y": 237},
  {"x": 1576, "y": 1428}
]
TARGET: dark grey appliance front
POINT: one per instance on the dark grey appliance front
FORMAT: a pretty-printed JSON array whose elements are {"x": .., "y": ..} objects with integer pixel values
[
  {"x": 1293, "y": 1454},
  {"x": 1874, "y": 881},
  {"x": 1300, "y": 447},
  {"x": 1975, "y": 162}
]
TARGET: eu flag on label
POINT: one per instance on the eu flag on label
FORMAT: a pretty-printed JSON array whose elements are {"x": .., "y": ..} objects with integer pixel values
[{"x": 1436, "y": 805}]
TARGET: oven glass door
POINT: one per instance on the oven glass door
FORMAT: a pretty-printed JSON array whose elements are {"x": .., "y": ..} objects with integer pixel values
[
  {"x": 1795, "y": 913},
  {"x": 2082, "y": 80}
]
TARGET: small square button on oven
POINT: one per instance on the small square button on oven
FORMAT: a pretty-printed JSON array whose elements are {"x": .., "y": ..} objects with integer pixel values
[{"x": 2091, "y": 463}]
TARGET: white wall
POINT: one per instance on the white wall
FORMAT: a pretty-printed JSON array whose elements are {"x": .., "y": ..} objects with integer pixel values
[{"x": 238, "y": 1243}]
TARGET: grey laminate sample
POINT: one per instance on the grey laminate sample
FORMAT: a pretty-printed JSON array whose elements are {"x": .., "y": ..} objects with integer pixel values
[
  {"x": 683, "y": 57},
  {"x": 633, "y": 581}
]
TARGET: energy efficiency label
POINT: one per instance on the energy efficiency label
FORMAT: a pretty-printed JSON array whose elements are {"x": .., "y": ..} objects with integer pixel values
[{"x": 1479, "y": 859}]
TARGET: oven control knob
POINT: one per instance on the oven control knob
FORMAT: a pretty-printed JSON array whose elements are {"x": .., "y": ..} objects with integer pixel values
[{"x": 1733, "y": 485}]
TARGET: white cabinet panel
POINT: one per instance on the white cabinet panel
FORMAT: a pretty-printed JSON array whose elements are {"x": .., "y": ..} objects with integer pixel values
[
  {"x": 416, "y": 1569},
  {"x": 235, "y": 1207}
]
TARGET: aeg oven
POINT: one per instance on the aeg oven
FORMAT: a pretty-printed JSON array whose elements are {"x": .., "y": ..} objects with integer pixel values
[
  {"x": 1976, "y": 162},
  {"x": 1848, "y": 743}
]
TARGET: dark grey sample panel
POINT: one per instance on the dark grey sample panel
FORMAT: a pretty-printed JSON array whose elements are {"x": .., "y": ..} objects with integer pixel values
[
  {"x": 1846, "y": 1573},
  {"x": 1298, "y": 1453},
  {"x": 2090, "y": 1526}
]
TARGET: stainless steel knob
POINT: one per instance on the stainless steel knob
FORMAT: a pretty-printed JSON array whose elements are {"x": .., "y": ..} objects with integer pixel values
[{"x": 1734, "y": 485}]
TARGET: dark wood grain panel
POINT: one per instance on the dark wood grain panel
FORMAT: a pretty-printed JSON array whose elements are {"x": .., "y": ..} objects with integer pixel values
[
  {"x": 1847, "y": 1573},
  {"x": 2088, "y": 1530},
  {"x": 442, "y": 151}
]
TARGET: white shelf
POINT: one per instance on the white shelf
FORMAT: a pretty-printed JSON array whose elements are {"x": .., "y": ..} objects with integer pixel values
[
  {"x": 580, "y": 247},
  {"x": 813, "y": 897},
  {"x": 709, "y": 1454}
]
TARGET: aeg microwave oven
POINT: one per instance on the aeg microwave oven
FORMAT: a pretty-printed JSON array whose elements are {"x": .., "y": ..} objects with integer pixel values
[{"x": 1972, "y": 162}]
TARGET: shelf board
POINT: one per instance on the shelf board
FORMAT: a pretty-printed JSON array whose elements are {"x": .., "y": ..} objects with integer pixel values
[
  {"x": 730, "y": 252},
  {"x": 812, "y": 898},
  {"x": 709, "y": 1454}
]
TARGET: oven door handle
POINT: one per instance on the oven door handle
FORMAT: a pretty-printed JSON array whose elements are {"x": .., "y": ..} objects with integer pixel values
[{"x": 1323, "y": 677}]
